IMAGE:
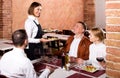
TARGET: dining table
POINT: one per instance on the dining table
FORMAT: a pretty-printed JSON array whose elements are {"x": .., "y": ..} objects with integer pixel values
[
  {"x": 6, "y": 45},
  {"x": 59, "y": 36},
  {"x": 59, "y": 72},
  {"x": 58, "y": 40}
]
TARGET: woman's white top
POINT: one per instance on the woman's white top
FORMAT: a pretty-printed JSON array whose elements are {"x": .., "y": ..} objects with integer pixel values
[
  {"x": 97, "y": 50},
  {"x": 31, "y": 29}
]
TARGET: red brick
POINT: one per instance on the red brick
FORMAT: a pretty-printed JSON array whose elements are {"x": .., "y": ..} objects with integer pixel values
[
  {"x": 113, "y": 5},
  {"x": 89, "y": 12},
  {"x": 113, "y": 13},
  {"x": 113, "y": 51},
  {"x": 113, "y": 66},
  {"x": 113, "y": 43},
  {"x": 113, "y": 20},
  {"x": 115, "y": 36},
  {"x": 113, "y": 58},
  {"x": 6, "y": 17},
  {"x": 117, "y": 66},
  {"x": 113, "y": 73},
  {"x": 1, "y": 34},
  {"x": 109, "y": 65},
  {"x": 113, "y": 28}
]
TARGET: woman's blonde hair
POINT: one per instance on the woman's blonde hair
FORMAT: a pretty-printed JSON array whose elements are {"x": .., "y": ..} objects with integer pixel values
[{"x": 98, "y": 33}]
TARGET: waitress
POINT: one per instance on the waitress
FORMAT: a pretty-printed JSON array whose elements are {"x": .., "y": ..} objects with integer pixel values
[{"x": 34, "y": 31}]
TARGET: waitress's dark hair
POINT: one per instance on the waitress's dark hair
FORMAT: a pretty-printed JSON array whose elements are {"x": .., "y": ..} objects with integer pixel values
[{"x": 32, "y": 6}]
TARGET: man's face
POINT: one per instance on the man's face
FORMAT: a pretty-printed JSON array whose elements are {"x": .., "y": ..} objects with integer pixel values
[{"x": 78, "y": 28}]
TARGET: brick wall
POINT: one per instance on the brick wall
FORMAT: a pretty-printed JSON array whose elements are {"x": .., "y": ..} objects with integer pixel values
[
  {"x": 112, "y": 28},
  {"x": 65, "y": 16},
  {"x": 1, "y": 23},
  {"x": 5, "y": 18},
  {"x": 56, "y": 14},
  {"x": 113, "y": 38},
  {"x": 89, "y": 13}
]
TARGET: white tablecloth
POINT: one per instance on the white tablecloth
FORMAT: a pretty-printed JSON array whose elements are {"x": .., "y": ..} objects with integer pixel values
[
  {"x": 59, "y": 36},
  {"x": 5, "y": 44},
  {"x": 62, "y": 73}
]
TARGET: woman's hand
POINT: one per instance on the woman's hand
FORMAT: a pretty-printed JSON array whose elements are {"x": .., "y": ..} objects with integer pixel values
[
  {"x": 76, "y": 60},
  {"x": 103, "y": 64}
]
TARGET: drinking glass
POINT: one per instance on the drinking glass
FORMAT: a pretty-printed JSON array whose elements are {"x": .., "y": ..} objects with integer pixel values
[{"x": 100, "y": 59}]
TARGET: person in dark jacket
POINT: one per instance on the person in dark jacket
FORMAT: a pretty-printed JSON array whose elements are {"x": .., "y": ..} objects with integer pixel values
[{"x": 77, "y": 46}]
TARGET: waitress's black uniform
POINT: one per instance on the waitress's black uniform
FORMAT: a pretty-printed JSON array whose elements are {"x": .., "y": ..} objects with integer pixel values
[{"x": 36, "y": 49}]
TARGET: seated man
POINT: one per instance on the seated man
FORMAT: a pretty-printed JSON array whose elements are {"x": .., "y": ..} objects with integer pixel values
[
  {"x": 15, "y": 64},
  {"x": 77, "y": 46}
]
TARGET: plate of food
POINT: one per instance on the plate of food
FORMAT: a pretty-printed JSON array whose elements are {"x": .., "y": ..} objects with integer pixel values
[
  {"x": 90, "y": 68},
  {"x": 52, "y": 38}
]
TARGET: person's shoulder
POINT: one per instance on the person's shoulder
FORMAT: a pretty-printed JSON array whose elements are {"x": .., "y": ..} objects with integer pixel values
[
  {"x": 86, "y": 39},
  {"x": 28, "y": 20},
  {"x": 7, "y": 54},
  {"x": 26, "y": 61}
]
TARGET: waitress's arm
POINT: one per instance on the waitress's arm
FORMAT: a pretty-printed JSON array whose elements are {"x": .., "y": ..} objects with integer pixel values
[{"x": 31, "y": 30}]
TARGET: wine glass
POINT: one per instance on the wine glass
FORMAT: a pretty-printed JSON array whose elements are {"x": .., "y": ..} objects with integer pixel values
[
  {"x": 100, "y": 59},
  {"x": 102, "y": 62}
]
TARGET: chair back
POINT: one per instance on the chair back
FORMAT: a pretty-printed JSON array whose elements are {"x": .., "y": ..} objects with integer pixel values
[{"x": 68, "y": 32}]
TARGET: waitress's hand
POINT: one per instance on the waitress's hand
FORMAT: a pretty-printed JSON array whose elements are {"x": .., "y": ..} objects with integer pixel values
[{"x": 44, "y": 40}]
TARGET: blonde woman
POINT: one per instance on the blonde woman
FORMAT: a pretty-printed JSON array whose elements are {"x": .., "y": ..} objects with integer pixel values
[{"x": 97, "y": 48}]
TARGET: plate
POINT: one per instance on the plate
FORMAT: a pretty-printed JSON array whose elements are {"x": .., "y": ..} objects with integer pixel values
[
  {"x": 89, "y": 68},
  {"x": 52, "y": 39}
]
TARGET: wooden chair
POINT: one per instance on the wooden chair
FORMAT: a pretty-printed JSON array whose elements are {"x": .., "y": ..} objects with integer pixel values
[{"x": 68, "y": 32}]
